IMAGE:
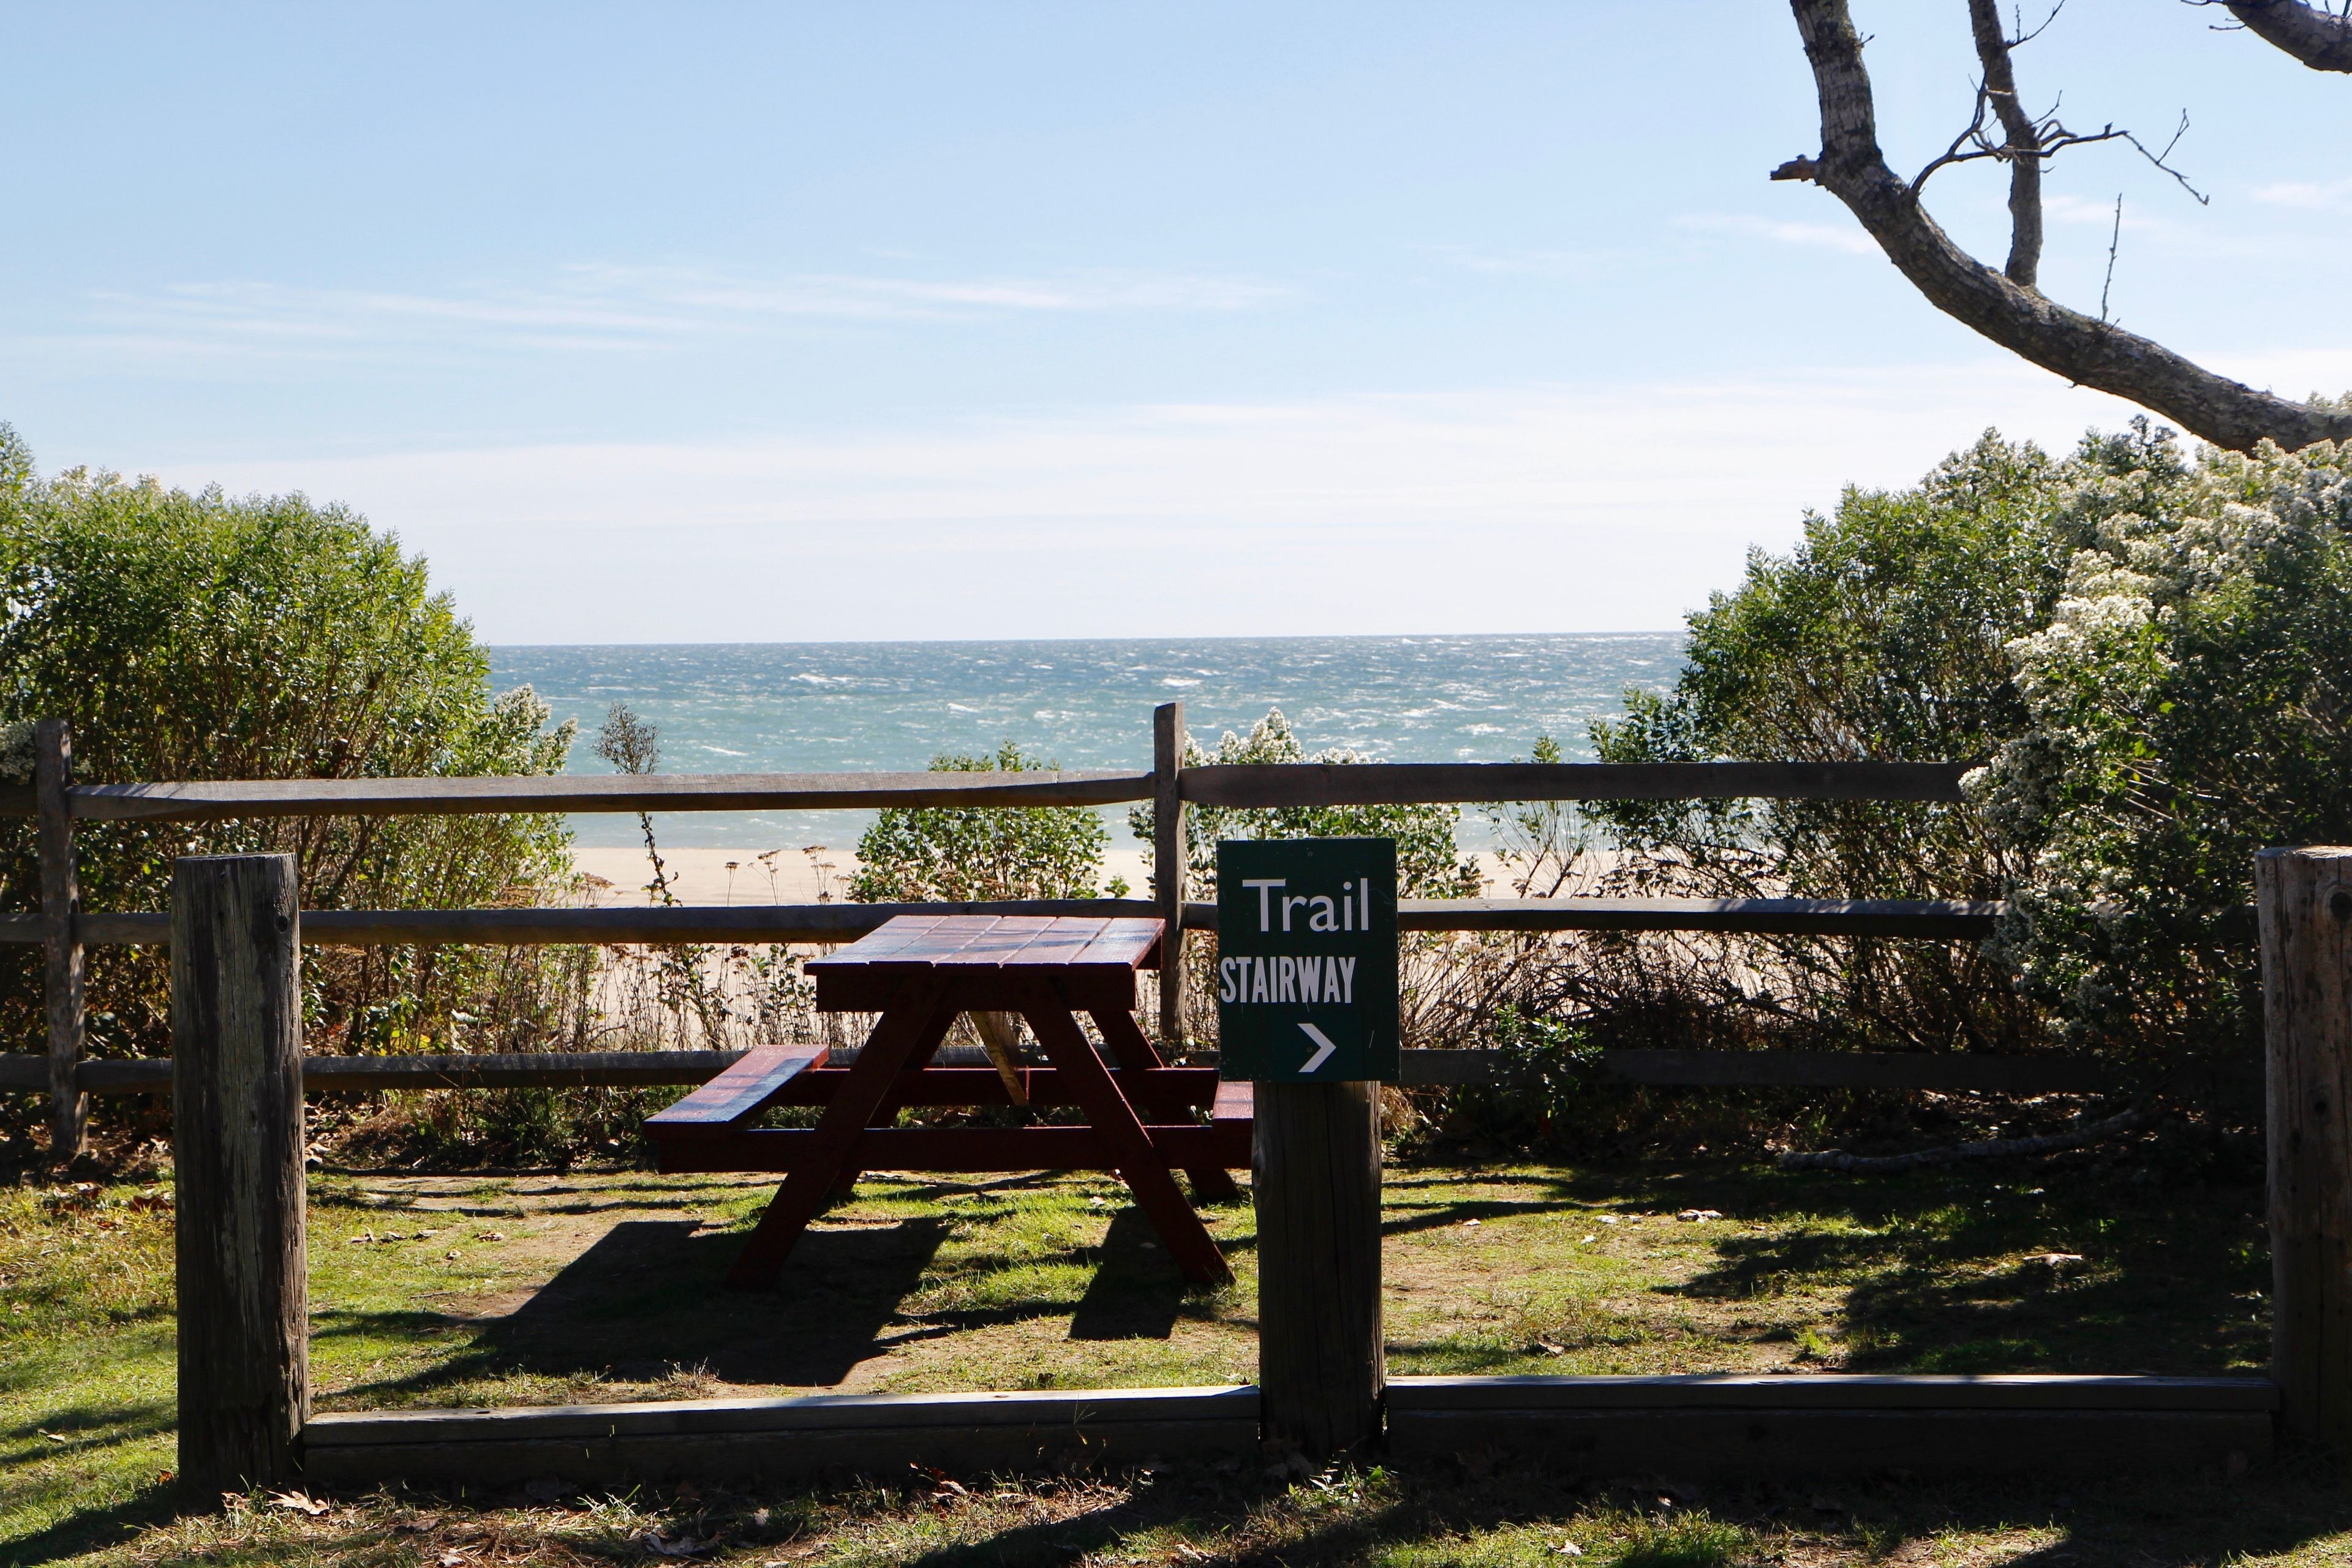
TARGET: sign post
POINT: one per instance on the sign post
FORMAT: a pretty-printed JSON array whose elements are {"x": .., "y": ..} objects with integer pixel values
[{"x": 1307, "y": 1009}]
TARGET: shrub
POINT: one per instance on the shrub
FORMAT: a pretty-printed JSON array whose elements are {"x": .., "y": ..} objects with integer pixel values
[
  {"x": 2190, "y": 702},
  {"x": 1882, "y": 636},
  {"x": 193, "y": 635},
  {"x": 1429, "y": 863},
  {"x": 967, "y": 853}
]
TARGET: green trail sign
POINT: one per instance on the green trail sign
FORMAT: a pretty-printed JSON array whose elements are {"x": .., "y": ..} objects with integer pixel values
[{"x": 1306, "y": 958}]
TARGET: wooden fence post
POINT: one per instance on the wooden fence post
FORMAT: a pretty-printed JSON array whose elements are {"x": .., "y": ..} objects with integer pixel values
[
  {"x": 61, "y": 980},
  {"x": 2304, "y": 900},
  {"x": 238, "y": 1148},
  {"x": 1168, "y": 866},
  {"x": 1322, "y": 1369}
]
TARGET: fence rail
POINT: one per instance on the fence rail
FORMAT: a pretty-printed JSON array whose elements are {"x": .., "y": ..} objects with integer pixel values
[
  {"x": 1950, "y": 1071},
  {"x": 63, "y": 930},
  {"x": 1266, "y": 784},
  {"x": 1953, "y": 919},
  {"x": 214, "y": 800}
]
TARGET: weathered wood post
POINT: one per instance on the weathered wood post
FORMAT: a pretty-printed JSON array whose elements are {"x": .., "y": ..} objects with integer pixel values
[
  {"x": 1321, "y": 1365},
  {"x": 2304, "y": 900},
  {"x": 236, "y": 1147},
  {"x": 61, "y": 980},
  {"x": 1168, "y": 868}
]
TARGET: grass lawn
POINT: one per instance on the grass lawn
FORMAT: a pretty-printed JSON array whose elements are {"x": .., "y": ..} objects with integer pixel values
[{"x": 600, "y": 1285}]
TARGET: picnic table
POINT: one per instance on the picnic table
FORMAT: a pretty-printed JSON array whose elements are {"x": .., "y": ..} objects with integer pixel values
[{"x": 921, "y": 973}]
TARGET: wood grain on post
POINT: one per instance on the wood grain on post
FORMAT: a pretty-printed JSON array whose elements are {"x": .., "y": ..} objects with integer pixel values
[
  {"x": 2305, "y": 900},
  {"x": 61, "y": 979},
  {"x": 1168, "y": 866},
  {"x": 236, "y": 1149},
  {"x": 1321, "y": 1365}
]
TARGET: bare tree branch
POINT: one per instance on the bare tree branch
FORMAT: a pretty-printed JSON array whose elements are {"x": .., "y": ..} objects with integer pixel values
[
  {"x": 2317, "y": 36},
  {"x": 2022, "y": 136},
  {"x": 2017, "y": 316}
]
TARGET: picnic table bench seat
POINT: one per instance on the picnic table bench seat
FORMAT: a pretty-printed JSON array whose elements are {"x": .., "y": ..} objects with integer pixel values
[{"x": 920, "y": 973}]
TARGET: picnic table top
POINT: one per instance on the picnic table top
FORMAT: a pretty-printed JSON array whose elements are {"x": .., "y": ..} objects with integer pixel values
[{"x": 967, "y": 943}]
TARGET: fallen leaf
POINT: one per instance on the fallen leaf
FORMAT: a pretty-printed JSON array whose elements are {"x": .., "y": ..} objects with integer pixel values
[
  {"x": 298, "y": 1502},
  {"x": 450, "y": 1256},
  {"x": 1568, "y": 1549},
  {"x": 1471, "y": 1224},
  {"x": 1700, "y": 1214},
  {"x": 53, "y": 1437},
  {"x": 1607, "y": 1218},
  {"x": 1550, "y": 1349},
  {"x": 2055, "y": 1259},
  {"x": 1587, "y": 1240},
  {"x": 490, "y": 1235}
]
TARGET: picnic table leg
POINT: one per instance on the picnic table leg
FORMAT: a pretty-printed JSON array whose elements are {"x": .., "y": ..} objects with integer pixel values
[
  {"x": 1139, "y": 1166},
  {"x": 912, "y": 1026},
  {"x": 1134, "y": 1051},
  {"x": 845, "y": 1184}
]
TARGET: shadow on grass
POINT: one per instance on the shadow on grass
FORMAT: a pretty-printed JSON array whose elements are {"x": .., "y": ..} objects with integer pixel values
[
  {"x": 1949, "y": 1274},
  {"x": 90, "y": 1530},
  {"x": 650, "y": 1296},
  {"x": 1136, "y": 1292}
]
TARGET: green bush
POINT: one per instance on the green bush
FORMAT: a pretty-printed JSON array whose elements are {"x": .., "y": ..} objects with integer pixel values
[
  {"x": 969, "y": 852},
  {"x": 2190, "y": 702},
  {"x": 194, "y": 636},
  {"x": 1881, "y": 636},
  {"x": 1429, "y": 863},
  {"x": 2152, "y": 651}
]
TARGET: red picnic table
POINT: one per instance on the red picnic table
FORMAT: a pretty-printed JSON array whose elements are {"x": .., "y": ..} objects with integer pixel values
[{"x": 921, "y": 971}]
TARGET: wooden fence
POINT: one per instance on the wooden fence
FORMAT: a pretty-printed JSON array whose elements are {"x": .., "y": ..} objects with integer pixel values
[{"x": 233, "y": 929}]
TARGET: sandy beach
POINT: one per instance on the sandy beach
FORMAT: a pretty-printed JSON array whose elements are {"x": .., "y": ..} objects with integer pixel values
[{"x": 803, "y": 877}]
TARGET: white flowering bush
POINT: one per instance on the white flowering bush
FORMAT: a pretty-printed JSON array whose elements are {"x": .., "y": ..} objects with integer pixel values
[
  {"x": 2189, "y": 701},
  {"x": 2152, "y": 648}
]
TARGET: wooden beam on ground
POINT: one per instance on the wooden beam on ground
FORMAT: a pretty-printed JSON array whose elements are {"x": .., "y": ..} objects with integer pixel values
[
  {"x": 1423, "y": 784},
  {"x": 1817, "y": 1426},
  {"x": 768, "y": 1439},
  {"x": 214, "y": 800}
]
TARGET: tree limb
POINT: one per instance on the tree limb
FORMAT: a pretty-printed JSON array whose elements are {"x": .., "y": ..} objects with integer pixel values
[
  {"x": 2320, "y": 38},
  {"x": 1991, "y": 1148},
  {"x": 2020, "y": 135},
  {"x": 2015, "y": 315}
]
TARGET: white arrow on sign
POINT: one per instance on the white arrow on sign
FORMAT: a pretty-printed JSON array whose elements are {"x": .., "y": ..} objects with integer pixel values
[{"x": 1324, "y": 1046}]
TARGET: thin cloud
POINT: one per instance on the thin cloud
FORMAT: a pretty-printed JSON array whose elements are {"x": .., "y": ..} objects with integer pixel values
[
  {"x": 2192, "y": 238},
  {"x": 2307, "y": 195},
  {"x": 1530, "y": 506},
  {"x": 604, "y": 307},
  {"x": 1827, "y": 237},
  {"x": 1552, "y": 266}
]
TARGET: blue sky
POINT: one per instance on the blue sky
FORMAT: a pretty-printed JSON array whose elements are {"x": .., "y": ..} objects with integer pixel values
[{"x": 779, "y": 322}]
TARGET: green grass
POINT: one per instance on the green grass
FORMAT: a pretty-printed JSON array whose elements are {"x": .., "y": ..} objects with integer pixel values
[{"x": 604, "y": 1285}]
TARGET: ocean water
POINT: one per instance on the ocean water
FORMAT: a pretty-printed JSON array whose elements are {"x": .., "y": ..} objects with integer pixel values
[{"x": 822, "y": 707}]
